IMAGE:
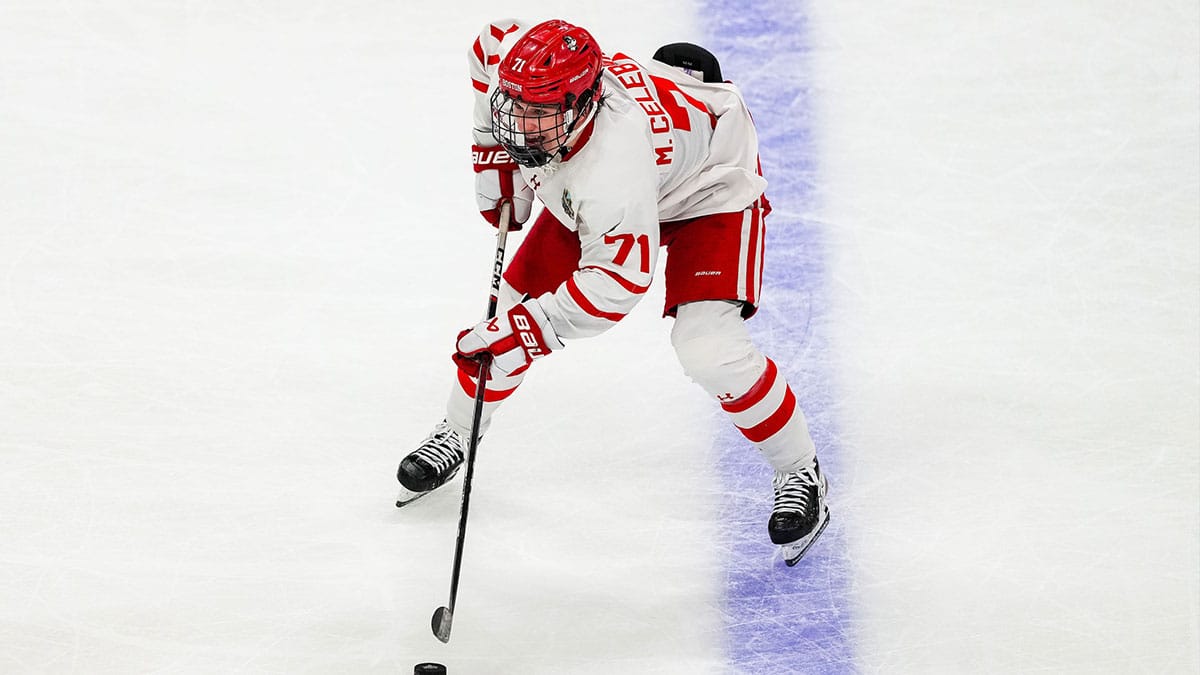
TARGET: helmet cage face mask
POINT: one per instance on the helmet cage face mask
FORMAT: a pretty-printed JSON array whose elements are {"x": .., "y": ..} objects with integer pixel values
[
  {"x": 547, "y": 83},
  {"x": 534, "y": 133}
]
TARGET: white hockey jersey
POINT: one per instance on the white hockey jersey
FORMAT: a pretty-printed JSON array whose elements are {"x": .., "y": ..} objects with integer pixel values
[{"x": 662, "y": 146}]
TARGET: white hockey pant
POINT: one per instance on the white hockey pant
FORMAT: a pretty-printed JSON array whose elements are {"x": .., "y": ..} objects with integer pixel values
[{"x": 715, "y": 350}]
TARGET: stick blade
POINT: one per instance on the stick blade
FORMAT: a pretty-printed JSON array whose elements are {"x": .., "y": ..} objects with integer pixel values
[{"x": 442, "y": 620}]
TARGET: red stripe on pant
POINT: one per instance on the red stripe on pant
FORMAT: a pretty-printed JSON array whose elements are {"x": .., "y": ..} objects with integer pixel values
[
  {"x": 758, "y": 391},
  {"x": 773, "y": 424},
  {"x": 753, "y": 253}
]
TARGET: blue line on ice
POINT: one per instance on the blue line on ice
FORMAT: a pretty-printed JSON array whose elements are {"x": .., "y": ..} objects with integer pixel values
[{"x": 779, "y": 619}]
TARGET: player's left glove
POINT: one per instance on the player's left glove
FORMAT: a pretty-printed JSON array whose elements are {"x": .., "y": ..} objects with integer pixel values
[
  {"x": 514, "y": 340},
  {"x": 497, "y": 180}
]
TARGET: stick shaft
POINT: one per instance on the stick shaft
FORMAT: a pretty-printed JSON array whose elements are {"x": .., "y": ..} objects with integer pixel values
[{"x": 477, "y": 418}]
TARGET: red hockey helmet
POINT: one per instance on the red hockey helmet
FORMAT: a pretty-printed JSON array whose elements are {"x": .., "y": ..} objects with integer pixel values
[{"x": 551, "y": 71}]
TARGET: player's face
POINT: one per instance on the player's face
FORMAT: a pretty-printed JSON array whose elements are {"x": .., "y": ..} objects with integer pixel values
[
  {"x": 540, "y": 124},
  {"x": 533, "y": 133}
]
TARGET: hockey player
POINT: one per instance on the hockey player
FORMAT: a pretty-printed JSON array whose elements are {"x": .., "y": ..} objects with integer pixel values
[{"x": 625, "y": 157}]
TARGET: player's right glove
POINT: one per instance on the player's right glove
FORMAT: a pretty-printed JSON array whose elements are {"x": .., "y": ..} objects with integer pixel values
[{"x": 497, "y": 180}]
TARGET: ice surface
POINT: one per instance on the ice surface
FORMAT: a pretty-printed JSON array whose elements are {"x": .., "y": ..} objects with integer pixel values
[
  {"x": 1013, "y": 199},
  {"x": 236, "y": 239}
]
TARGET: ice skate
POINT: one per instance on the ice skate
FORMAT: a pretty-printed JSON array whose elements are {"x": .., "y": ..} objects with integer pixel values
[
  {"x": 800, "y": 513},
  {"x": 432, "y": 465}
]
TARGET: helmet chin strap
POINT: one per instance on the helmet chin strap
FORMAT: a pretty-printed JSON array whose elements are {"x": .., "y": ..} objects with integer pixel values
[{"x": 576, "y": 130}]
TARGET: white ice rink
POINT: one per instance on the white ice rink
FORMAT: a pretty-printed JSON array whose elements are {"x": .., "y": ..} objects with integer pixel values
[{"x": 237, "y": 238}]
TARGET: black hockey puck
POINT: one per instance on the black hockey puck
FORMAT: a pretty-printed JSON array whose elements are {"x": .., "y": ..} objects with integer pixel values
[{"x": 429, "y": 669}]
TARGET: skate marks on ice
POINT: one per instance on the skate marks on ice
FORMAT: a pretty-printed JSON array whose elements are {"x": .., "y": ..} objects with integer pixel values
[{"x": 781, "y": 618}]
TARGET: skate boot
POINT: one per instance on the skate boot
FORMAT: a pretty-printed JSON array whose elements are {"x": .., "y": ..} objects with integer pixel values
[
  {"x": 800, "y": 513},
  {"x": 432, "y": 465}
]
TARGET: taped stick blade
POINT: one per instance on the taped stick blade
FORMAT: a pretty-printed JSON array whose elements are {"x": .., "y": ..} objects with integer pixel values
[{"x": 442, "y": 620}]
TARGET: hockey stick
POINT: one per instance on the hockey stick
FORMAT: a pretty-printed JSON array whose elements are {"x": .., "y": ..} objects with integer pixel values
[{"x": 443, "y": 617}]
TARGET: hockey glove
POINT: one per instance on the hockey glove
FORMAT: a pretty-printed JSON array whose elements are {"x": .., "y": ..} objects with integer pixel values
[
  {"x": 513, "y": 340},
  {"x": 497, "y": 180}
]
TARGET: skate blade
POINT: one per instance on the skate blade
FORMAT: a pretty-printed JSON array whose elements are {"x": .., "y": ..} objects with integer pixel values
[
  {"x": 407, "y": 497},
  {"x": 793, "y": 552}
]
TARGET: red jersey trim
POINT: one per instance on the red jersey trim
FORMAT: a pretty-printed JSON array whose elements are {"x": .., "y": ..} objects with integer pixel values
[
  {"x": 499, "y": 33},
  {"x": 484, "y": 59},
  {"x": 625, "y": 283},
  {"x": 583, "y": 138},
  {"x": 586, "y": 305}
]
